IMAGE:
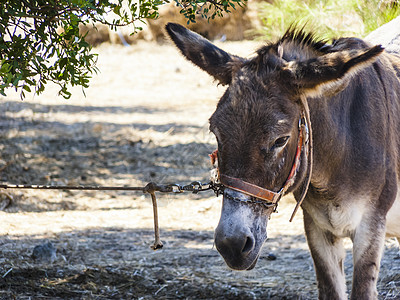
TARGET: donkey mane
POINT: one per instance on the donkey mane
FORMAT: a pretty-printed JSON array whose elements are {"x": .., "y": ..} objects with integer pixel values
[
  {"x": 295, "y": 45},
  {"x": 303, "y": 38}
]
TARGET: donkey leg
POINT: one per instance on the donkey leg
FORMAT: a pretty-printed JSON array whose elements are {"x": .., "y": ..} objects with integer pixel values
[
  {"x": 368, "y": 243},
  {"x": 328, "y": 254}
]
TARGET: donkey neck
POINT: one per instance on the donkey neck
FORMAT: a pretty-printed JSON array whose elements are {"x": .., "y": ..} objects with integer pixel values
[{"x": 351, "y": 128}]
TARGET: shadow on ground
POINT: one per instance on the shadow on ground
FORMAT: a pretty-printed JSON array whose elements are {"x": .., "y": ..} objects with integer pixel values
[
  {"x": 117, "y": 263},
  {"x": 38, "y": 149}
]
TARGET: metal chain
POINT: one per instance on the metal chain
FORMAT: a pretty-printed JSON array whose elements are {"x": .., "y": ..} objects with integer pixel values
[
  {"x": 194, "y": 187},
  {"x": 252, "y": 200}
]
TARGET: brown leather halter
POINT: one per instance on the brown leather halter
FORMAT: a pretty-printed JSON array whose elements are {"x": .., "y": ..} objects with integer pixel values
[
  {"x": 271, "y": 198},
  {"x": 262, "y": 193}
]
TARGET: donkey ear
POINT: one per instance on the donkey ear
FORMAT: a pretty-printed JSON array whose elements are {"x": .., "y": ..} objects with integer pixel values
[
  {"x": 216, "y": 62},
  {"x": 327, "y": 73}
]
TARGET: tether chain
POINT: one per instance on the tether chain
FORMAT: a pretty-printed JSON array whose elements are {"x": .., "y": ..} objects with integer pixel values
[
  {"x": 150, "y": 188},
  {"x": 194, "y": 187},
  {"x": 252, "y": 200}
]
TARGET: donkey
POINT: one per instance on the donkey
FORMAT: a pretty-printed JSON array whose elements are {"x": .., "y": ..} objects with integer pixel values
[{"x": 345, "y": 166}]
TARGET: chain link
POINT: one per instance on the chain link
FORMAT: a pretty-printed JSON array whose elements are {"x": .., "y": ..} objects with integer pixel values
[
  {"x": 252, "y": 200},
  {"x": 196, "y": 187}
]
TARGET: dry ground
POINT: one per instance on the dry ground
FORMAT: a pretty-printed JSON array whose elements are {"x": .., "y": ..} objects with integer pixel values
[{"x": 144, "y": 119}]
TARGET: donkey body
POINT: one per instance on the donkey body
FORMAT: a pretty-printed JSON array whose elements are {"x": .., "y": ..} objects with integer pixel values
[{"x": 352, "y": 92}]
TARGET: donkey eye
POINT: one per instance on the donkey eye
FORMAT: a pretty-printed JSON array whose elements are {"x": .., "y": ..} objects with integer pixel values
[{"x": 281, "y": 142}]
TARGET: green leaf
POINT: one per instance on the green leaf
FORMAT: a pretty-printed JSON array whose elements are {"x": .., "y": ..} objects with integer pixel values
[{"x": 26, "y": 88}]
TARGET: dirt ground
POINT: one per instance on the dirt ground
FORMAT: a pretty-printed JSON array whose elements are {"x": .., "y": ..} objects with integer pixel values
[{"x": 143, "y": 119}]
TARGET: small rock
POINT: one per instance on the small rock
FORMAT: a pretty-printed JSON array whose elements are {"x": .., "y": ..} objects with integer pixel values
[
  {"x": 44, "y": 253},
  {"x": 271, "y": 256}
]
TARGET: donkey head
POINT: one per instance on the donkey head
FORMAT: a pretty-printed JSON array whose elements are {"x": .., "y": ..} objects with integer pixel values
[{"x": 256, "y": 121}]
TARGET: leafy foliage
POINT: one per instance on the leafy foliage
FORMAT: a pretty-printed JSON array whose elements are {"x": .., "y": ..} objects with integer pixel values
[
  {"x": 375, "y": 13},
  {"x": 207, "y": 9},
  {"x": 330, "y": 18},
  {"x": 40, "y": 39}
]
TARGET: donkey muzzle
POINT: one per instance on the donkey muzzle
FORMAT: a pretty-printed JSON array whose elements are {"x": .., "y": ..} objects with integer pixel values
[{"x": 241, "y": 231}]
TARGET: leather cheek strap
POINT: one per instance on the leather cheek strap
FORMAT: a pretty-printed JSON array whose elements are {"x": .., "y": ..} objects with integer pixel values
[{"x": 249, "y": 189}]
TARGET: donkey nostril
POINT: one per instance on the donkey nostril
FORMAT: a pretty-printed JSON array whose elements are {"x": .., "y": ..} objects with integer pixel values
[{"x": 248, "y": 246}]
